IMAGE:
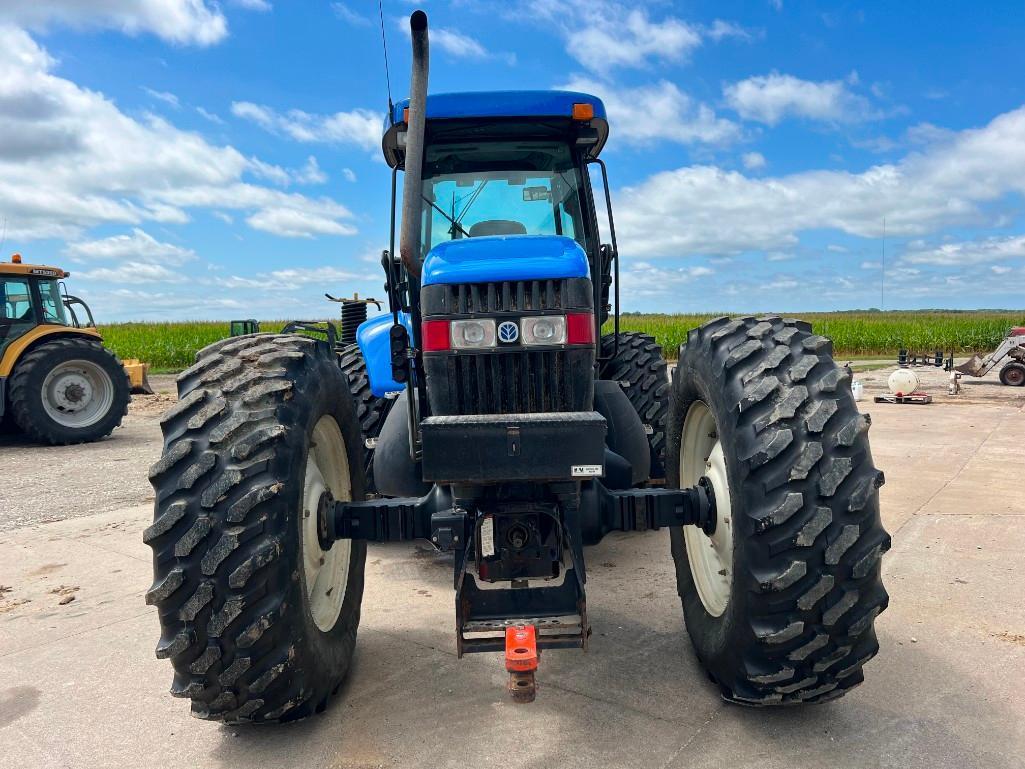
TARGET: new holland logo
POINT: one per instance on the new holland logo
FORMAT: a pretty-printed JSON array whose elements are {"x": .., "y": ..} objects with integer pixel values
[{"x": 508, "y": 332}]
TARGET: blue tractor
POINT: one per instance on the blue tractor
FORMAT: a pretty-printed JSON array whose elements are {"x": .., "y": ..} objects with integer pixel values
[{"x": 498, "y": 413}]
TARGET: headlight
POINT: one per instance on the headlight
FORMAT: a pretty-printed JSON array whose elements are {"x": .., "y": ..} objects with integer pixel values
[
  {"x": 544, "y": 329},
  {"x": 472, "y": 334}
]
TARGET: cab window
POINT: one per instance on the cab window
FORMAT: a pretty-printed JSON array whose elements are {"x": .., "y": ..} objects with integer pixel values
[
  {"x": 501, "y": 188},
  {"x": 52, "y": 303},
  {"x": 16, "y": 313}
]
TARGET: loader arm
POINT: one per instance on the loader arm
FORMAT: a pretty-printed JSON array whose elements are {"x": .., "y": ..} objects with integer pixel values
[{"x": 980, "y": 366}]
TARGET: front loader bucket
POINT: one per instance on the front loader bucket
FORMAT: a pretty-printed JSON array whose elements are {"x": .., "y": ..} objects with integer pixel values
[
  {"x": 973, "y": 367},
  {"x": 137, "y": 376}
]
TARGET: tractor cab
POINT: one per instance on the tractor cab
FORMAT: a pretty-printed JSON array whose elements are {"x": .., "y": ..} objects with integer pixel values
[
  {"x": 30, "y": 296},
  {"x": 505, "y": 164}
]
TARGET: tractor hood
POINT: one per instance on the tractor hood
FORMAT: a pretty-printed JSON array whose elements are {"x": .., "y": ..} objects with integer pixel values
[{"x": 498, "y": 258}]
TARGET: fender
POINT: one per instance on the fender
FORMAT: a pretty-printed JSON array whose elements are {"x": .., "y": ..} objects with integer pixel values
[
  {"x": 44, "y": 332},
  {"x": 374, "y": 343}
]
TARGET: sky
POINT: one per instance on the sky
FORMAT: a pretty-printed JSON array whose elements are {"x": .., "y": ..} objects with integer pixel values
[{"x": 192, "y": 159}]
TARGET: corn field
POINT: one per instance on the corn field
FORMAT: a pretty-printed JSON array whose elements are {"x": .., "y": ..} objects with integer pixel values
[{"x": 172, "y": 346}]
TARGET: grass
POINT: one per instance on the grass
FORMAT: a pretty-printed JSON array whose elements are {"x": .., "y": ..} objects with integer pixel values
[{"x": 172, "y": 346}]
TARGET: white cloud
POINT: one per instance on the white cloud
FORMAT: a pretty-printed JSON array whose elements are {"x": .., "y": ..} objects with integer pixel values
[
  {"x": 213, "y": 118},
  {"x": 270, "y": 172},
  {"x": 361, "y": 127},
  {"x": 770, "y": 98},
  {"x": 349, "y": 174},
  {"x": 310, "y": 173},
  {"x": 346, "y": 14},
  {"x": 720, "y": 30},
  {"x": 90, "y": 164},
  {"x": 133, "y": 273},
  {"x": 138, "y": 247},
  {"x": 705, "y": 209},
  {"x": 164, "y": 96},
  {"x": 644, "y": 279},
  {"x": 605, "y": 34},
  {"x": 292, "y": 278},
  {"x": 456, "y": 43},
  {"x": 253, "y": 5},
  {"x": 190, "y": 22},
  {"x": 753, "y": 161},
  {"x": 658, "y": 112},
  {"x": 297, "y": 223},
  {"x": 968, "y": 252}
]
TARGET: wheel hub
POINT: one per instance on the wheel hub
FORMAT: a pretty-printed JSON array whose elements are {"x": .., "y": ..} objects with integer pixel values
[
  {"x": 77, "y": 393},
  {"x": 73, "y": 392},
  {"x": 325, "y": 564},
  {"x": 709, "y": 550}
]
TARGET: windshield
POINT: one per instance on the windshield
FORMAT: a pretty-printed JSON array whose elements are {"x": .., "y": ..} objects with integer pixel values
[{"x": 500, "y": 188}]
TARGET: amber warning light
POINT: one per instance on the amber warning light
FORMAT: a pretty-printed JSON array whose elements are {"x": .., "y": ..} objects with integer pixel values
[{"x": 583, "y": 111}]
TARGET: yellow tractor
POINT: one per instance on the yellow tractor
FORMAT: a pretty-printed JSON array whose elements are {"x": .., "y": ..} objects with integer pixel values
[{"x": 58, "y": 383}]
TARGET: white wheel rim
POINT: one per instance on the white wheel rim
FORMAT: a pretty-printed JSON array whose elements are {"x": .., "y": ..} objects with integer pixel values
[
  {"x": 710, "y": 557},
  {"x": 77, "y": 393},
  {"x": 326, "y": 571}
]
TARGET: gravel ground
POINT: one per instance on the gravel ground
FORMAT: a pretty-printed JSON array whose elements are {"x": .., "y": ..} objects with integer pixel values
[{"x": 50, "y": 483}]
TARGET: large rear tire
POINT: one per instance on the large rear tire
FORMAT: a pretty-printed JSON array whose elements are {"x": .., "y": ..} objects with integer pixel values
[
  {"x": 258, "y": 621},
  {"x": 641, "y": 371},
  {"x": 70, "y": 390},
  {"x": 371, "y": 411},
  {"x": 780, "y": 601}
]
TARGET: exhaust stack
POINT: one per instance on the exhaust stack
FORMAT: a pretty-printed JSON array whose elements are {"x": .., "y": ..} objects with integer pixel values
[{"x": 412, "y": 200}]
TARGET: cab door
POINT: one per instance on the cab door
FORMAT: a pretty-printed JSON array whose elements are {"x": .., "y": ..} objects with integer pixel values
[{"x": 17, "y": 309}]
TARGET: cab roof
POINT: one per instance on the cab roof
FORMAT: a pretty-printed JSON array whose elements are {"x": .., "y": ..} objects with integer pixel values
[
  {"x": 35, "y": 270},
  {"x": 496, "y": 107}
]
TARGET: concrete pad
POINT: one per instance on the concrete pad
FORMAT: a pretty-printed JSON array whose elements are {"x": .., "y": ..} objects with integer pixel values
[
  {"x": 949, "y": 699},
  {"x": 51, "y": 483}
]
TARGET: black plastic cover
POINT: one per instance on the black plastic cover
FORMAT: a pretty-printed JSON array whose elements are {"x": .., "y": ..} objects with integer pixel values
[{"x": 492, "y": 448}]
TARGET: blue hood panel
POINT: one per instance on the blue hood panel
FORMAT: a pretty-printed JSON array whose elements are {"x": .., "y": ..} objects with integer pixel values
[{"x": 499, "y": 258}]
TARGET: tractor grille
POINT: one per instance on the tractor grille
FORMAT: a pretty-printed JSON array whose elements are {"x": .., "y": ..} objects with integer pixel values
[
  {"x": 511, "y": 296},
  {"x": 510, "y": 382},
  {"x": 515, "y": 380}
]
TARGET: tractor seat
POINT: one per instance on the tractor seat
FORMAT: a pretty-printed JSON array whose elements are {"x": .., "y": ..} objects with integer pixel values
[{"x": 497, "y": 227}]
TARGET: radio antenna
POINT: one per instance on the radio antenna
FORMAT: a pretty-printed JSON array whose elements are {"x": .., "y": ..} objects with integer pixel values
[{"x": 384, "y": 45}]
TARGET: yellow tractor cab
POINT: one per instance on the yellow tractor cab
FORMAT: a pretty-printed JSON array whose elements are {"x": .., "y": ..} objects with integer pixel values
[{"x": 58, "y": 383}]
